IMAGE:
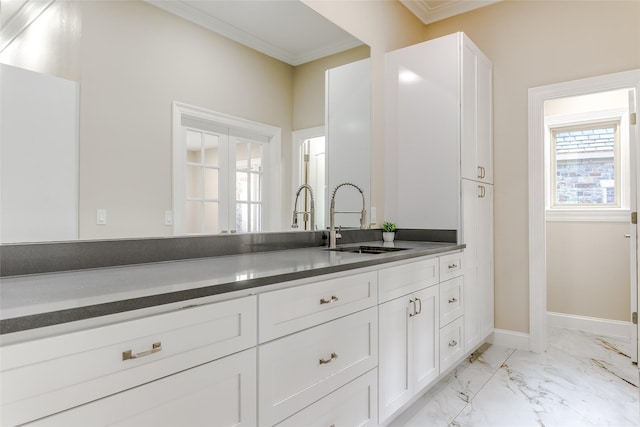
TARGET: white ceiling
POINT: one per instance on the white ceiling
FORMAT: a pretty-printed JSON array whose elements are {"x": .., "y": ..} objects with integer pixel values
[{"x": 289, "y": 30}]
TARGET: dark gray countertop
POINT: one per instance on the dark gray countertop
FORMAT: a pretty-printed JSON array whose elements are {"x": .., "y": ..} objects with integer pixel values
[{"x": 34, "y": 301}]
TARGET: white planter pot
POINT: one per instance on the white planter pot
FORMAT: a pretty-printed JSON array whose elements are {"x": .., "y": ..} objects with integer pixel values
[{"x": 388, "y": 236}]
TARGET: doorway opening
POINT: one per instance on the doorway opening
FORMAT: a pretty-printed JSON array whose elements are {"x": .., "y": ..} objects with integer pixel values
[{"x": 541, "y": 184}]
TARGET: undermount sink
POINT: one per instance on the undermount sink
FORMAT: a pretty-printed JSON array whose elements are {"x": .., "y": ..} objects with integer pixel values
[{"x": 367, "y": 249}]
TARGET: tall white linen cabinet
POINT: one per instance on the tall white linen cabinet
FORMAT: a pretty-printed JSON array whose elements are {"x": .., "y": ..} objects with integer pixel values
[{"x": 439, "y": 158}]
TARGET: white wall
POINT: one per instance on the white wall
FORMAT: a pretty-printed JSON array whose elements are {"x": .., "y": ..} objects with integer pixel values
[{"x": 39, "y": 157}]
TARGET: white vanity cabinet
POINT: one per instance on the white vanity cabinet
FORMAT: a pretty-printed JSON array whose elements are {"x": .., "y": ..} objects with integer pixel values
[
  {"x": 409, "y": 344},
  {"x": 315, "y": 339},
  {"x": 145, "y": 366},
  {"x": 439, "y": 157}
]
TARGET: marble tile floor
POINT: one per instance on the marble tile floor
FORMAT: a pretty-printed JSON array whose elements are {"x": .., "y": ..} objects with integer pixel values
[{"x": 581, "y": 380}]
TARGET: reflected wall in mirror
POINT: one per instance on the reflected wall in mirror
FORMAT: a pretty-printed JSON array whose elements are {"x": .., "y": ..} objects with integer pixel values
[{"x": 132, "y": 60}]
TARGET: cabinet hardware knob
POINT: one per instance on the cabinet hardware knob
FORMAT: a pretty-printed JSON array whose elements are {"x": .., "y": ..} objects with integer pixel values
[
  {"x": 156, "y": 347},
  {"x": 452, "y": 300},
  {"x": 452, "y": 266},
  {"x": 453, "y": 343},
  {"x": 329, "y": 301},
  {"x": 331, "y": 359}
]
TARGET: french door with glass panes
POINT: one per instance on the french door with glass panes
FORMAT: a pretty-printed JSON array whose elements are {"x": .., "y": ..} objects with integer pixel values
[{"x": 223, "y": 182}]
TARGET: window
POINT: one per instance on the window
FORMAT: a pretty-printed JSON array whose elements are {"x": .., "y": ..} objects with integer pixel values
[
  {"x": 224, "y": 173},
  {"x": 587, "y": 157},
  {"x": 586, "y": 163}
]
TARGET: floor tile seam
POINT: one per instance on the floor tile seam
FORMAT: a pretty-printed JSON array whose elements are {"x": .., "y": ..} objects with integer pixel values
[{"x": 482, "y": 387}]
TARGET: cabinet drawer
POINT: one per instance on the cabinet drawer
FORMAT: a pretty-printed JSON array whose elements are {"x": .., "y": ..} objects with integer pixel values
[
  {"x": 354, "y": 404},
  {"x": 451, "y": 300},
  {"x": 290, "y": 310},
  {"x": 45, "y": 376},
  {"x": 219, "y": 393},
  {"x": 451, "y": 343},
  {"x": 451, "y": 266},
  {"x": 404, "y": 279},
  {"x": 299, "y": 369}
]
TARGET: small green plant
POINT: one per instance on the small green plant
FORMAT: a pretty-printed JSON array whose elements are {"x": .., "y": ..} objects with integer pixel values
[{"x": 389, "y": 226}]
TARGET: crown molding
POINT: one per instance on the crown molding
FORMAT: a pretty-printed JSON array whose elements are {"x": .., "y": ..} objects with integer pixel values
[{"x": 429, "y": 11}]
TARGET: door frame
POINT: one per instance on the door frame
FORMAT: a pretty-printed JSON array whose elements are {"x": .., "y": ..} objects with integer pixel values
[{"x": 537, "y": 225}]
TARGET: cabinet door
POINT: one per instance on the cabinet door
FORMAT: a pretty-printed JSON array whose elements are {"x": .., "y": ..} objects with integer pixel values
[
  {"x": 394, "y": 354},
  {"x": 485, "y": 260},
  {"x": 484, "y": 112},
  {"x": 425, "y": 345},
  {"x": 423, "y": 118},
  {"x": 476, "y": 115},
  {"x": 471, "y": 191},
  {"x": 409, "y": 348},
  {"x": 469, "y": 119},
  {"x": 220, "y": 393}
]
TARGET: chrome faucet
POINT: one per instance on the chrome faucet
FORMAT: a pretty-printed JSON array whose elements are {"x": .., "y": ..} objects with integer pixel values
[
  {"x": 332, "y": 213},
  {"x": 310, "y": 213}
]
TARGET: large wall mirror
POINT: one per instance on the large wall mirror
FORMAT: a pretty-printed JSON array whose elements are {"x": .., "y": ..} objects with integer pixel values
[{"x": 126, "y": 65}]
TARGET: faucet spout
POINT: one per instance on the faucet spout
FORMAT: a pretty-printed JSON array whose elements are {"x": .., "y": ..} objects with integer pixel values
[
  {"x": 310, "y": 213},
  {"x": 332, "y": 213}
]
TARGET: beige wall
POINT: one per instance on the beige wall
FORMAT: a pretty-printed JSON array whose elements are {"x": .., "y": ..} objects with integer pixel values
[
  {"x": 309, "y": 86},
  {"x": 588, "y": 269},
  {"x": 534, "y": 43},
  {"x": 384, "y": 26}
]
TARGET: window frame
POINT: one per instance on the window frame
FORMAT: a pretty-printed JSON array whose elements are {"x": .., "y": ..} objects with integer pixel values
[{"x": 589, "y": 212}]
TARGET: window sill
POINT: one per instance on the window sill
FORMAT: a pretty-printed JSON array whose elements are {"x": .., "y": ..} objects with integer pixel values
[{"x": 592, "y": 215}]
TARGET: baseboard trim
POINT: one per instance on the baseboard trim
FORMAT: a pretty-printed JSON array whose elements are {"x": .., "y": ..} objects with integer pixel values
[
  {"x": 594, "y": 325},
  {"x": 510, "y": 339}
]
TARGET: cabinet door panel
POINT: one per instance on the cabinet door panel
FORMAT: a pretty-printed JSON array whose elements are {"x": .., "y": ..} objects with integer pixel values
[
  {"x": 220, "y": 393},
  {"x": 485, "y": 262},
  {"x": 484, "y": 114},
  {"x": 395, "y": 333},
  {"x": 471, "y": 219},
  {"x": 469, "y": 119},
  {"x": 425, "y": 339}
]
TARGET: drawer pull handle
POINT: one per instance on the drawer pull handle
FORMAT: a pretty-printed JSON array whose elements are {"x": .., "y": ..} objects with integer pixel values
[
  {"x": 325, "y": 361},
  {"x": 452, "y": 300},
  {"x": 329, "y": 301},
  {"x": 413, "y": 312},
  {"x": 452, "y": 266},
  {"x": 453, "y": 343},
  {"x": 156, "y": 347},
  {"x": 419, "y": 305}
]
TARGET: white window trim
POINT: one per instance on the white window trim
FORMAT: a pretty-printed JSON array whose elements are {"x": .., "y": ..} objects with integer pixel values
[
  {"x": 272, "y": 197},
  {"x": 589, "y": 213}
]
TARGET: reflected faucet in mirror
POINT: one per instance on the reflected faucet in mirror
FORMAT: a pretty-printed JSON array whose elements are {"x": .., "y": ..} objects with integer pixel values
[
  {"x": 310, "y": 214},
  {"x": 332, "y": 213}
]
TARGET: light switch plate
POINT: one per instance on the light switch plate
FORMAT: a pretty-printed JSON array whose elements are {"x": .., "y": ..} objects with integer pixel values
[{"x": 101, "y": 217}]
